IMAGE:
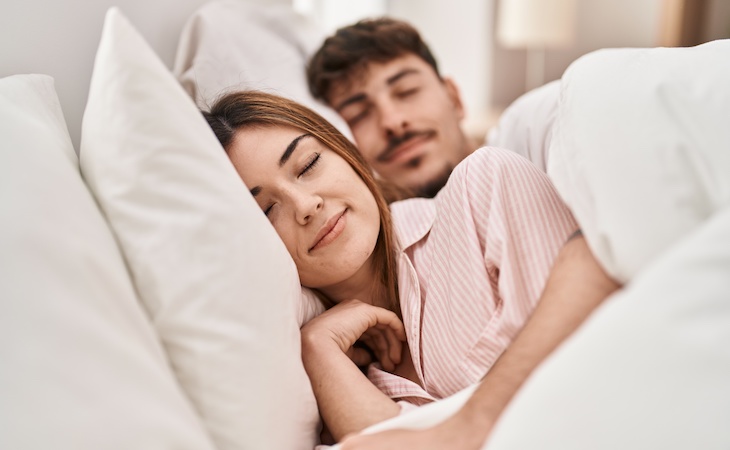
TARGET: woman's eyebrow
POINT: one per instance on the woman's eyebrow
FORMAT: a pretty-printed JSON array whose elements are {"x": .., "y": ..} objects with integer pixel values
[
  {"x": 256, "y": 190},
  {"x": 290, "y": 149}
]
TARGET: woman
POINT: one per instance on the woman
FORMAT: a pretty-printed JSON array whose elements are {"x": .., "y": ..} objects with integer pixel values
[{"x": 464, "y": 270}]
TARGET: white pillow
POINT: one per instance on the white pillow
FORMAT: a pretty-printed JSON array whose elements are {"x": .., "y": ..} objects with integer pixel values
[
  {"x": 526, "y": 125},
  {"x": 642, "y": 145},
  {"x": 658, "y": 118},
  {"x": 245, "y": 45},
  {"x": 649, "y": 371},
  {"x": 218, "y": 283},
  {"x": 80, "y": 365}
]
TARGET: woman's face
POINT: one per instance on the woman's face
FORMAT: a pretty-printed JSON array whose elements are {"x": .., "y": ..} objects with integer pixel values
[{"x": 319, "y": 206}]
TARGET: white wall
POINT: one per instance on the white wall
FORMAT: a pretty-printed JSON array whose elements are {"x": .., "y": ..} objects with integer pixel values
[
  {"x": 600, "y": 24},
  {"x": 60, "y": 37}
]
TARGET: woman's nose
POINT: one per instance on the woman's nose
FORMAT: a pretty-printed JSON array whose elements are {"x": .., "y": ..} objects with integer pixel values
[{"x": 306, "y": 206}]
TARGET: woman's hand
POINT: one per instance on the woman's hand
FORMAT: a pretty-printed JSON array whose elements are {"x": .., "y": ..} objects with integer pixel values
[
  {"x": 352, "y": 320},
  {"x": 347, "y": 400}
]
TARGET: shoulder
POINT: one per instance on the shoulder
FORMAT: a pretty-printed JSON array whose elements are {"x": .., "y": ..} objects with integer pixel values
[
  {"x": 496, "y": 182},
  {"x": 489, "y": 165},
  {"x": 479, "y": 177}
]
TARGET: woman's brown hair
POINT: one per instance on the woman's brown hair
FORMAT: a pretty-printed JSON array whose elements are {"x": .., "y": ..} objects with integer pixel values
[{"x": 239, "y": 110}]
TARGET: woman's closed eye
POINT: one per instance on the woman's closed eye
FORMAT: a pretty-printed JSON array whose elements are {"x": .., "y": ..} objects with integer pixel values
[{"x": 310, "y": 164}]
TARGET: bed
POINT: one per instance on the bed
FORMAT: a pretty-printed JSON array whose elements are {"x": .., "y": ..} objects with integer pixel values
[{"x": 146, "y": 302}]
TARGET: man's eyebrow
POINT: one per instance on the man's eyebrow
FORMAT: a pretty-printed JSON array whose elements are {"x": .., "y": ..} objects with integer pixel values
[
  {"x": 359, "y": 97},
  {"x": 401, "y": 74},
  {"x": 290, "y": 149}
]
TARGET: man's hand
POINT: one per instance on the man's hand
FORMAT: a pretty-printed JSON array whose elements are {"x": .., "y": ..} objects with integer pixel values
[
  {"x": 352, "y": 320},
  {"x": 451, "y": 434},
  {"x": 393, "y": 440}
]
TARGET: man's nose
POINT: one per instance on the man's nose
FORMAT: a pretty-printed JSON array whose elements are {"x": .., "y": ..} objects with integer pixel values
[{"x": 393, "y": 120}]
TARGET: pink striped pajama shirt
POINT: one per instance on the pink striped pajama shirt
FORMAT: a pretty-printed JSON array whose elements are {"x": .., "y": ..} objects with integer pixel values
[{"x": 474, "y": 262}]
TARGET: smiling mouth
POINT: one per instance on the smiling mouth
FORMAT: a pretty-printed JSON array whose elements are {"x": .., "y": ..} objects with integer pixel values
[{"x": 331, "y": 230}]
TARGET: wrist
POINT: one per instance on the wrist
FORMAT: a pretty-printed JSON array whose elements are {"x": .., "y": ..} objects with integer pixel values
[
  {"x": 470, "y": 426},
  {"x": 315, "y": 343},
  {"x": 464, "y": 430}
]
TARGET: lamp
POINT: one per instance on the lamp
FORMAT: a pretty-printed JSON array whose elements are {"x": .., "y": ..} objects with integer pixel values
[{"x": 536, "y": 25}]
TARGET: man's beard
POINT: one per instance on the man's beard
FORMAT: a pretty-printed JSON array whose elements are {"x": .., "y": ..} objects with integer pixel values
[{"x": 431, "y": 188}]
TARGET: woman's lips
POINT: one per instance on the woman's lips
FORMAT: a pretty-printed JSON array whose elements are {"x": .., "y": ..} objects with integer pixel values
[{"x": 331, "y": 230}]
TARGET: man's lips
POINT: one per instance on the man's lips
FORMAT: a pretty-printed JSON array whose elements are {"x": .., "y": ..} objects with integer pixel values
[
  {"x": 330, "y": 231},
  {"x": 399, "y": 147}
]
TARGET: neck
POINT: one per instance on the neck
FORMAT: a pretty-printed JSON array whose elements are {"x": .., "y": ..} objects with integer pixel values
[
  {"x": 365, "y": 285},
  {"x": 471, "y": 143}
]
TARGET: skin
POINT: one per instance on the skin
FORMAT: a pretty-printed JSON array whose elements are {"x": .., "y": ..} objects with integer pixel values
[
  {"x": 303, "y": 198},
  {"x": 406, "y": 121}
]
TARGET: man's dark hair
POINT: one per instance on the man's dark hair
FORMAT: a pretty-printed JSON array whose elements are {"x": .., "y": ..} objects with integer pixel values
[{"x": 353, "y": 47}]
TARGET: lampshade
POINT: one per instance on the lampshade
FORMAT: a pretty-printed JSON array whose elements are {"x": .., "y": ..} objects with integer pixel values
[{"x": 536, "y": 23}]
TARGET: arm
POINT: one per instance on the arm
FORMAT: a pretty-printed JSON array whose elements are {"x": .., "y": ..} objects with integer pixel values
[
  {"x": 575, "y": 287},
  {"x": 347, "y": 400}
]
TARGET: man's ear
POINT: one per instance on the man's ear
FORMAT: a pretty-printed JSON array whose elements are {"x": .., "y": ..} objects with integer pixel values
[{"x": 452, "y": 90}]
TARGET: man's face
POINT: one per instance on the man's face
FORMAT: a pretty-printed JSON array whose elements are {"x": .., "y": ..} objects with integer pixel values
[{"x": 405, "y": 121}]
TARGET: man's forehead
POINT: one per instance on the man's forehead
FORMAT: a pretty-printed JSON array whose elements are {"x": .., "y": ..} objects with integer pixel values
[{"x": 374, "y": 75}]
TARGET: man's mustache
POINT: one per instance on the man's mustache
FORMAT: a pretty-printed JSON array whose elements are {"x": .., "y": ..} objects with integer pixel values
[{"x": 396, "y": 142}]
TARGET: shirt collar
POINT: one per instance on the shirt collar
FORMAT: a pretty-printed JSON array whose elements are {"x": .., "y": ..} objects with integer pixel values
[{"x": 412, "y": 219}]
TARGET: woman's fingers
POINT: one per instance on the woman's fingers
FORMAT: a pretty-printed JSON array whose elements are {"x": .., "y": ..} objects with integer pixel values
[
  {"x": 395, "y": 346},
  {"x": 388, "y": 319},
  {"x": 359, "y": 356},
  {"x": 380, "y": 341},
  {"x": 386, "y": 346},
  {"x": 354, "y": 320},
  {"x": 385, "y": 336},
  {"x": 380, "y": 352}
]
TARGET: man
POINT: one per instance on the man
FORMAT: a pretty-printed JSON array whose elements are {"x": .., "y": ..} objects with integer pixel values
[
  {"x": 382, "y": 79},
  {"x": 405, "y": 117}
]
